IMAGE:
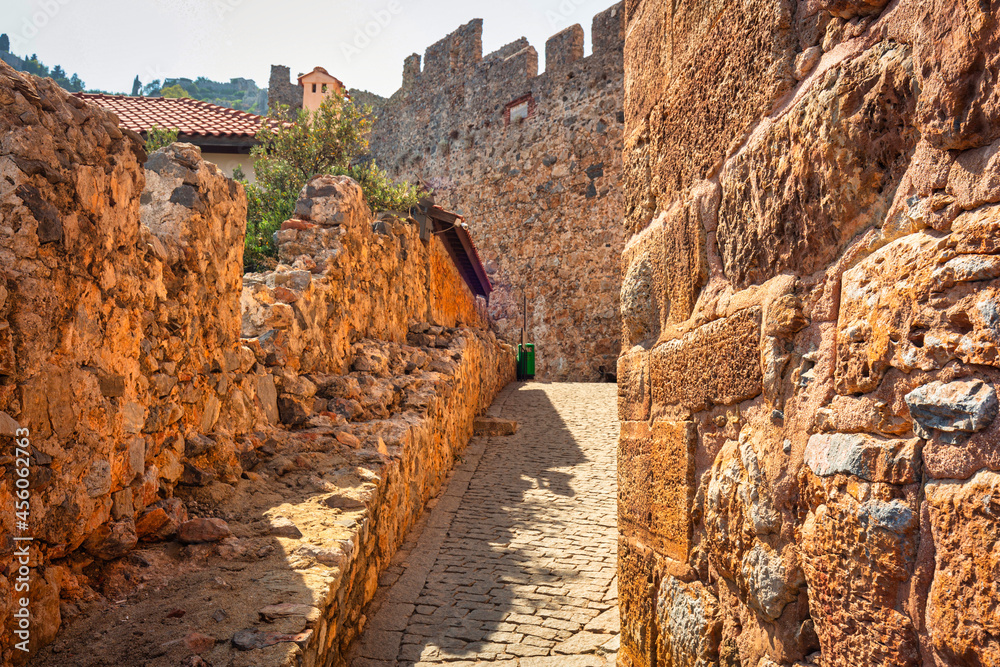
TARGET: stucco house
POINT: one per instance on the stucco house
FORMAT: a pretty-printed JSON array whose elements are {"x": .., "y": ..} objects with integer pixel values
[{"x": 317, "y": 85}]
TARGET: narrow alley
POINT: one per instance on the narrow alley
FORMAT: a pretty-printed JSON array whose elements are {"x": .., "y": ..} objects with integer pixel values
[{"x": 515, "y": 564}]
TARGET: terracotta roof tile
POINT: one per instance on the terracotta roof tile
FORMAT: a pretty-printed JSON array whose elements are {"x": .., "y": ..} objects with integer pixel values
[{"x": 191, "y": 117}]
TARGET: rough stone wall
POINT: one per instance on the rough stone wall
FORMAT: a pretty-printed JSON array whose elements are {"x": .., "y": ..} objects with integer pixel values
[
  {"x": 117, "y": 335},
  {"x": 281, "y": 89},
  {"x": 121, "y": 348},
  {"x": 808, "y": 461},
  {"x": 543, "y": 194}
]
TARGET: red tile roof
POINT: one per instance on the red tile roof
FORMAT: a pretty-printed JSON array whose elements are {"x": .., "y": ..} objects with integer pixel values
[{"x": 191, "y": 117}]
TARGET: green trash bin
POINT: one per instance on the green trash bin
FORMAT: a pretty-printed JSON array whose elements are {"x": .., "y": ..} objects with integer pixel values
[{"x": 526, "y": 361}]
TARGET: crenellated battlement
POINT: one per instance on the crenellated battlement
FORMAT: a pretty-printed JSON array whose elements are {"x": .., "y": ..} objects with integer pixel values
[
  {"x": 564, "y": 47},
  {"x": 457, "y": 52},
  {"x": 458, "y": 58}
]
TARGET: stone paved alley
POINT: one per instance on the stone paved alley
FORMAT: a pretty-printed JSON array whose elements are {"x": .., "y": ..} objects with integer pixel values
[{"x": 515, "y": 564}]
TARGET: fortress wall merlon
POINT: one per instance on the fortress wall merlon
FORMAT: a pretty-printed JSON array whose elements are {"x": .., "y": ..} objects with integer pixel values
[
  {"x": 457, "y": 58},
  {"x": 411, "y": 69},
  {"x": 455, "y": 52},
  {"x": 507, "y": 50},
  {"x": 515, "y": 70},
  {"x": 281, "y": 90},
  {"x": 564, "y": 48},
  {"x": 607, "y": 32}
]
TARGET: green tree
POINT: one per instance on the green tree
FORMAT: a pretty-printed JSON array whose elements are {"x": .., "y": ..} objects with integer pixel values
[
  {"x": 174, "y": 91},
  {"x": 34, "y": 66},
  {"x": 76, "y": 84},
  {"x": 5, "y": 43},
  {"x": 331, "y": 140},
  {"x": 151, "y": 89},
  {"x": 158, "y": 137}
]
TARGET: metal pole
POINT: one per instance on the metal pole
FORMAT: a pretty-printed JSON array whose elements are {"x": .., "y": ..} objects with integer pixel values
[{"x": 524, "y": 315}]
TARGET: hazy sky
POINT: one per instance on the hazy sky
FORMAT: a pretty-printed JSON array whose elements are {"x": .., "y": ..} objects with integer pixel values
[{"x": 108, "y": 42}]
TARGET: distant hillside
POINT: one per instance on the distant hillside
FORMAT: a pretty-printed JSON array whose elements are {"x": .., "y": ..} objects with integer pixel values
[
  {"x": 35, "y": 66},
  {"x": 240, "y": 94}
]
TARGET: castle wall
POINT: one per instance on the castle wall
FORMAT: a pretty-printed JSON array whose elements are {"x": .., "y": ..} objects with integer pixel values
[
  {"x": 808, "y": 460},
  {"x": 541, "y": 193}
]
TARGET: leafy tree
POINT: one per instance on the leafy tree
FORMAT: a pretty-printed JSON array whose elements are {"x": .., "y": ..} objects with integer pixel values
[
  {"x": 151, "y": 89},
  {"x": 136, "y": 86},
  {"x": 158, "y": 137},
  {"x": 330, "y": 140},
  {"x": 174, "y": 91},
  {"x": 34, "y": 66},
  {"x": 5, "y": 43},
  {"x": 72, "y": 84}
]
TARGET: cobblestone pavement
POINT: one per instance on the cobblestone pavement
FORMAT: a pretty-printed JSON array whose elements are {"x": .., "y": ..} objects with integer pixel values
[{"x": 515, "y": 564}]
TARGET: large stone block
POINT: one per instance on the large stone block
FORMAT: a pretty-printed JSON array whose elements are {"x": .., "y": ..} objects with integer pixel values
[
  {"x": 864, "y": 456},
  {"x": 716, "y": 364},
  {"x": 688, "y": 621},
  {"x": 686, "y": 268},
  {"x": 963, "y": 620},
  {"x": 703, "y": 73},
  {"x": 957, "y": 50},
  {"x": 740, "y": 520},
  {"x": 916, "y": 304},
  {"x": 858, "y": 558},
  {"x": 810, "y": 181},
  {"x": 656, "y": 483},
  {"x": 633, "y": 386},
  {"x": 644, "y": 300},
  {"x": 637, "y": 591}
]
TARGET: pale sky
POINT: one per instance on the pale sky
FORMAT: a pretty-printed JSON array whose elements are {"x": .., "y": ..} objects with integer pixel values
[{"x": 108, "y": 42}]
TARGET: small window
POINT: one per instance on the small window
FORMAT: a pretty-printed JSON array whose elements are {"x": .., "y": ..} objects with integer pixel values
[
  {"x": 324, "y": 87},
  {"x": 314, "y": 87}
]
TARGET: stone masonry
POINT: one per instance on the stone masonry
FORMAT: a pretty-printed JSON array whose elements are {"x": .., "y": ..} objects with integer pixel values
[
  {"x": 809, "y": 458},
  {"x": 185, "y": 418},
  {"x": 533, "y": 162},
  {"x": 281, "y": 91}
]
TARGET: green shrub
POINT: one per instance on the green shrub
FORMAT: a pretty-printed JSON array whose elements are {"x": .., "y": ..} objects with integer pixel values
[
  {"x": 160, "y": 137},
  {"x": 331, "y": 140}
]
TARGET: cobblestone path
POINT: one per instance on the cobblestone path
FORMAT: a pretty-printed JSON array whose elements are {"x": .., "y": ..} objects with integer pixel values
[{"x": 515, "y": 564}]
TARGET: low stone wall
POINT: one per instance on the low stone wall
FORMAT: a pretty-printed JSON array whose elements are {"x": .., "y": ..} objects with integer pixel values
[
  {"x": 150, "y": 392},
  {"x": 809, "y": 451}
]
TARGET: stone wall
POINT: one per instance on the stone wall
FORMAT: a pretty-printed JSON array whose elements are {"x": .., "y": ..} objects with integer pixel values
[
  {"x": 146, "y": 385},
  {"x": 281, "y": 90},
  {"x": 809, "y": 457},
  {"x": 542, "y": 194}
]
